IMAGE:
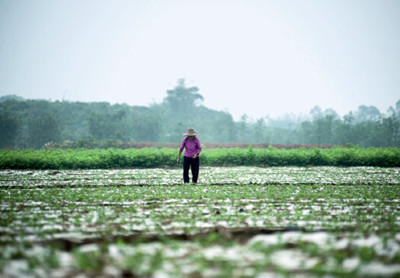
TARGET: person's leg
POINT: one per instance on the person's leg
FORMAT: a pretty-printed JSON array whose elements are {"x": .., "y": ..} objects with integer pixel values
[
  {"x": 186, "y": 165},
  {"x": 195, "y": 169}
]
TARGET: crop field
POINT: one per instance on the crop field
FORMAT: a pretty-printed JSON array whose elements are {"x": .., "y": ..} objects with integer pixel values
[{"x": 236, "y": 222}]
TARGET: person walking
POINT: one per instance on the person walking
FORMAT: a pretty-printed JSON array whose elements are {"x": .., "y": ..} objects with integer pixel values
[{"x": 192, "y": 147}]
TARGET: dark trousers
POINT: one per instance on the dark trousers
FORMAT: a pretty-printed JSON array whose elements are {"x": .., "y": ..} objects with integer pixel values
[{"x": 194, "y": 164}]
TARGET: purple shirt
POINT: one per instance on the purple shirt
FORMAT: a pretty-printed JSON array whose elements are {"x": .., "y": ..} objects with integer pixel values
[{"x": 192, "y": 147}]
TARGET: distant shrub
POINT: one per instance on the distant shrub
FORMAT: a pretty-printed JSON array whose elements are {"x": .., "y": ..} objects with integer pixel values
[{"x": 156, "y": 157}]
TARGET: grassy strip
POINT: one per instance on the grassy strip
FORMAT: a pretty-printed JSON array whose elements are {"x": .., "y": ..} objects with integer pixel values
[{"x": 155, "y": 157}]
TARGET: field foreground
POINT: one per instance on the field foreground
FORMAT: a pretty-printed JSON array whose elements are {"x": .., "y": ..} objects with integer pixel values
[{"x": 237, "y": 222}]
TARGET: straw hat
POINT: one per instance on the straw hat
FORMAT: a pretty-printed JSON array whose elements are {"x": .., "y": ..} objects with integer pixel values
[{"x": 190, "y": 132}]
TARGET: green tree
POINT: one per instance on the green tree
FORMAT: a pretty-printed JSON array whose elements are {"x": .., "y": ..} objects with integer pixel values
[
  {"x": 321, "y": 130},
  {"x": 367, "y": 113},
  {"x": 109, "y": 124},
  {"x": 222, "y": 128},
  {"x": 259, "y": 131},
  {"x": 244, "y": 130},
  {"x": 391, "y": 127},
  {"x": 182, "y": 98},
  {"x": 43, "y": 129},
  {"x": 9, "y": 128},
  {"x": 146, "y": 126}
]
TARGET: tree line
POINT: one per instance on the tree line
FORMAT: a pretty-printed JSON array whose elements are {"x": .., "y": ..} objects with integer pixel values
[{"x": 34, "y": 123}]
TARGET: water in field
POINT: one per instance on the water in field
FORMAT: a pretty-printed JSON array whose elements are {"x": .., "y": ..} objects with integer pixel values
[{"x": 237, "y": 222}]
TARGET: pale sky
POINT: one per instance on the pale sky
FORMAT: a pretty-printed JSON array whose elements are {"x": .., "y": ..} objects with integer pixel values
[{"x": 254, "y": 57}]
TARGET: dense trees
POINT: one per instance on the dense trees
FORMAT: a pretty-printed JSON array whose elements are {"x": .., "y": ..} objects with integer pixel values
[
  {"x": 33, "y": 123},
  {"x": 9, "y": 127}
]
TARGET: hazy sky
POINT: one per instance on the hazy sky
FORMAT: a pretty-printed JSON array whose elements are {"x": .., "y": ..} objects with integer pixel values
[{"x": 259, "y": 57}]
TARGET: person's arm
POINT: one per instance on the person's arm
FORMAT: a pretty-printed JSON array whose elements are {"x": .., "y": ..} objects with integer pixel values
[
  {"x": 179, "y": 156},
  {"x": 180, "y": 151},
  {"x": 198, "y": 148}
]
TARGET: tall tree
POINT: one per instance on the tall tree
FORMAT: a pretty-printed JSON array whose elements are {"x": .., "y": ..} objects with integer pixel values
[
  {"x": 367, "y": 113},
  {"x": 182, "y": 98}
]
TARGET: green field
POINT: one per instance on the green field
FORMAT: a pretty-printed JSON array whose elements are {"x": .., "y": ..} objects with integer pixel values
[{"x": 237, "y": 222}]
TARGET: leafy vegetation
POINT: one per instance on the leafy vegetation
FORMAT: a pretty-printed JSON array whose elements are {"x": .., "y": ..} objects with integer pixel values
[
  {"x": 34, "y": 123},
  {"x": 154, "y": 157},
  {"x": 280, "y": 222}
]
